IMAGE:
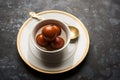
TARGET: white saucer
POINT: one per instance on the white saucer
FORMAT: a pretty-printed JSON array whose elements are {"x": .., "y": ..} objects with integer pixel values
[{"x": 77, "y": 49}]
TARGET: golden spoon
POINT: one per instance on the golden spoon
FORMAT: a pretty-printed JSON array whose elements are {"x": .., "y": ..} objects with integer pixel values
[{"x": 74, "y": 31}]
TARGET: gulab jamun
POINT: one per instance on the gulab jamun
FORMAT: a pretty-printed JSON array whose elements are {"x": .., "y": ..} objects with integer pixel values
[
  {"x": 41, "y": 41},
  {"x": 58, "y": 29},
  {"x": 49, "y": 32},
  {"x": 57, "y": 43}
]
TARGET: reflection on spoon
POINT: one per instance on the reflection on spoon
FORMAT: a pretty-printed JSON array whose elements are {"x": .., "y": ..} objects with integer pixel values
[{"x": 74, "y": 30}]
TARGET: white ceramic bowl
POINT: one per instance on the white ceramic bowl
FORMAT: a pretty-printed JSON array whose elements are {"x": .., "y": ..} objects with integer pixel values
[{"x": 50, "y": 55}]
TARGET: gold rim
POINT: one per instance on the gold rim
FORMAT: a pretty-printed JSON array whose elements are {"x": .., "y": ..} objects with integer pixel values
[{"x": 58, "y": 71}]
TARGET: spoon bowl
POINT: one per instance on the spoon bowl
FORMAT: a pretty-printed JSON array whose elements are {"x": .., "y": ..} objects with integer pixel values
[{"x": 74, "y": 32}]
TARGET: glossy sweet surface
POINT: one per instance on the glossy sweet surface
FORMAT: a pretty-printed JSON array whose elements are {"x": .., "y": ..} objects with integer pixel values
[
  {"x": 48, "y": 38},
  {"x": 57, "y": 43},
  {"x": 58, "y": 29},
  {"x": 41, "y": 41},
  {"x": 49, "y": 32}
]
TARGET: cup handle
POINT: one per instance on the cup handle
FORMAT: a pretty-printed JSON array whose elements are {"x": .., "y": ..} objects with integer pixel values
[{"x": 35, "y": 15}]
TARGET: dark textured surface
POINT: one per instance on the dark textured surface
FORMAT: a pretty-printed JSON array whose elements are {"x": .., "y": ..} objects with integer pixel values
[{"x": 101, "y": 18}]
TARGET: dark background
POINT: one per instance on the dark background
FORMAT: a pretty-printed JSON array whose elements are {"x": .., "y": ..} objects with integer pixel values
[{"x": 101, "y": 18}]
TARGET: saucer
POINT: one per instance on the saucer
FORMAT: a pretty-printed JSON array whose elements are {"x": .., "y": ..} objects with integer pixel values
[{"x": 76, "y": 52}]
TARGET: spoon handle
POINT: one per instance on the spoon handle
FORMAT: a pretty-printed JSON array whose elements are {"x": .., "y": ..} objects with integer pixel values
[{"x": 34, "y": 15}]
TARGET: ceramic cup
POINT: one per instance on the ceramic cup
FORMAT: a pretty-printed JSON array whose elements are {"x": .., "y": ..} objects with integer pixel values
[{"x": 50, "y": 55}]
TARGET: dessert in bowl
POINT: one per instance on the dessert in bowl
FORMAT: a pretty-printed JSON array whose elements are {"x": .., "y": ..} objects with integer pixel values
[{"x": 50, "y": 39}]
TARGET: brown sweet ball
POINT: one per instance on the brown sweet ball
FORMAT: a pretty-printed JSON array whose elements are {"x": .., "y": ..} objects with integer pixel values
[
  {"x": 57, "y": 43},
  {"x": 41, "y": 41},
  {"x": 49, "y": 32},
  {"x": 58, "y": 29}
]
